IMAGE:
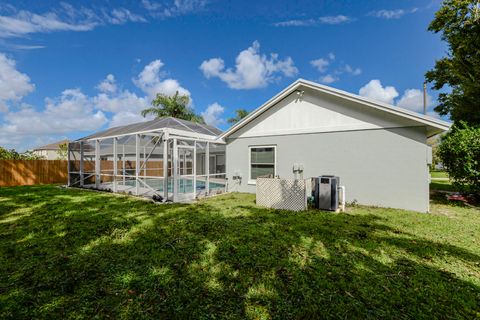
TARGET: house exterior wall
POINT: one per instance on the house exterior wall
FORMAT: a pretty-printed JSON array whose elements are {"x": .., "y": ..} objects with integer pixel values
[
  {"x": 381, "y": 167},
  {"x": 48, "y": 154},
  {"x": 381, "y": 158}
]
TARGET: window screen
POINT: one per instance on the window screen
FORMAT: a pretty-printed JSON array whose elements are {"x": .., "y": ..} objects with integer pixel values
[{"x": 262, "y": 161}]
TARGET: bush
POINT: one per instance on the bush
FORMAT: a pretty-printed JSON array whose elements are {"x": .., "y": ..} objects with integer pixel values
[
  {"x": 12, "y": 154},
  {"x": 460, "y": 154}
]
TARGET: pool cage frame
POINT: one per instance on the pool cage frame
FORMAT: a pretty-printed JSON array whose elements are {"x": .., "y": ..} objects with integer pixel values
[{"x": 168, "y": 164}]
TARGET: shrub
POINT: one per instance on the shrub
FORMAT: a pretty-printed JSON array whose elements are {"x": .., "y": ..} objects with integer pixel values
[
  {"x": 460, "y": 154},
  {"x": 12, "y": 154}
]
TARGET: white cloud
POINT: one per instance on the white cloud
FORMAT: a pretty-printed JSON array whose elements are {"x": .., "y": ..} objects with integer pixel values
[
  {"x": 412, "y": 99},
  {"x": 14, "y": 85},
  {"x": 151, "y": 81},
  {"x": 185, "y": 6},
  {"x": 392, "y": 14},
  {"x": 388, "y": 14},
  {"x": 296, "y": 23},
  {"x": 25, "y": 22},
  {"x": 23, "y": 46},
  {"x": 126, "y": 105},
  {"x": 252, "y": 69},
  {"x": 72, "y": 111},
  {"x": 334, "y": 19},
  {"x": 353, "y": 71},
  {"x": 327, "y": 79},
  {"x": 66, "y": 18},
  {"x": 375, "y": 90},
  {"x": 151, "y": 5},
  {"x": 175, "y": 8},
  {"x": 212, "y": 115},
  {"x": 122, "y": 15},
  {"x": 108, "y": 85},
  {"x": 339, "y": 19},
  {"x": 320, "y": 64},
  {"x": 123, "y": 101},
  {"x": 127, "y": 117},
  {"x": 24, "y": 126}
]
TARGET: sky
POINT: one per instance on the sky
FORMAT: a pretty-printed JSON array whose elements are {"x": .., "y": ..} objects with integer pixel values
[{"x": 68, "y": 69}]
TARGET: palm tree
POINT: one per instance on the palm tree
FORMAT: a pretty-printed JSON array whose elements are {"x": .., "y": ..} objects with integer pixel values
[
  {"x": 239, "y": 115},
  {"x": 172, "y": 106}
]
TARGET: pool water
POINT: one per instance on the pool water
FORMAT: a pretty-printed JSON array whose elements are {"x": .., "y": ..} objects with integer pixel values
[{"x": 184, "y": 185}]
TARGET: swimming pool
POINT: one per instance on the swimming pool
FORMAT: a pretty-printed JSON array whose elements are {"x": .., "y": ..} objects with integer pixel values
[{"x": 184, "y": 185}]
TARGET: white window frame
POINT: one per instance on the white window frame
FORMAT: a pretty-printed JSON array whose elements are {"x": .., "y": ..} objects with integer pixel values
[{"x": 274, "y": 146}]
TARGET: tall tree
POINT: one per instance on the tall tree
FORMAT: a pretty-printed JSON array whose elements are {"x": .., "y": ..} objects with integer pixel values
[
  {"x": 172, "y": 106},
  {"x": 239, "y": 115},
  {"x": 459, "y": 23}
]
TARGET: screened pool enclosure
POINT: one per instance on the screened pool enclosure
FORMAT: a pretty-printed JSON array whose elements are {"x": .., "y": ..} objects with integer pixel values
[{"x": 168, "y": 158}]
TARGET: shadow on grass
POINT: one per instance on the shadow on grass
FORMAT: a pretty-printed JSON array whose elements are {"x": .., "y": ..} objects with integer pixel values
[{"x": 78, "y": 254}]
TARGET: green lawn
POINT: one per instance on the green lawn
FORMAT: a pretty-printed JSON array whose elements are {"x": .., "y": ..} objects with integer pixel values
[
  {"x": 443, "y": 185},
  {"x": 438, "y": 174},
  {"x": 439, "y": 182},
  {"x": 80, "y": 254}
]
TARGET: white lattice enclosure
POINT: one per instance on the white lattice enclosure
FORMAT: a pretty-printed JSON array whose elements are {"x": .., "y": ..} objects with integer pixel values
[{"x": 285, "y": 194}]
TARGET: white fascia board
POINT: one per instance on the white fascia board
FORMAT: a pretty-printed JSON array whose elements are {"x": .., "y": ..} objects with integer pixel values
[
  {"x": 426, "y": 120},
  {"x": 181, "y": 134},
  {"x": 167, "y": 131},
  {"x": 153, "y": 132}
]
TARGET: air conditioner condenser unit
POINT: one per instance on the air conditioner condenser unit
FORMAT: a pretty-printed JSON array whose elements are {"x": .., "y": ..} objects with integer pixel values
[{"x": 325, "y": 192}]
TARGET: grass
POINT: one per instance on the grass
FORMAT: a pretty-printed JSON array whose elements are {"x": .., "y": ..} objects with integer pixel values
[
  {"x": 439, "y": 182},
  {"x": 443, "y": 185},
  {"x": 77, "y": 254},
  {"x": 438, "y": 174}
]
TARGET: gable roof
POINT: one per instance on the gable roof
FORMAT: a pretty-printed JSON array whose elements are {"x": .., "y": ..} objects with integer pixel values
[
  {"x": 434, "y": 126},
  {"x": 52, "y": 146}
]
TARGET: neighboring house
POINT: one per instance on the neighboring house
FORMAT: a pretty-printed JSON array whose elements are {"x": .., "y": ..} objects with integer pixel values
[
  {"x": 51, "y": 151},
  {"x": 379, "y": 151}
]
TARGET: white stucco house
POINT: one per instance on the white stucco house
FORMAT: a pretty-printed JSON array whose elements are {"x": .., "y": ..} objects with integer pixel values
[
  {"x": 51, "y": 151},
  {"x": 379, "y": 151}
]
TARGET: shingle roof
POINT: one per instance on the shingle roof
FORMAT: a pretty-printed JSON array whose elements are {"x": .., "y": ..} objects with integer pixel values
[{"x": 52, "y": 146}]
